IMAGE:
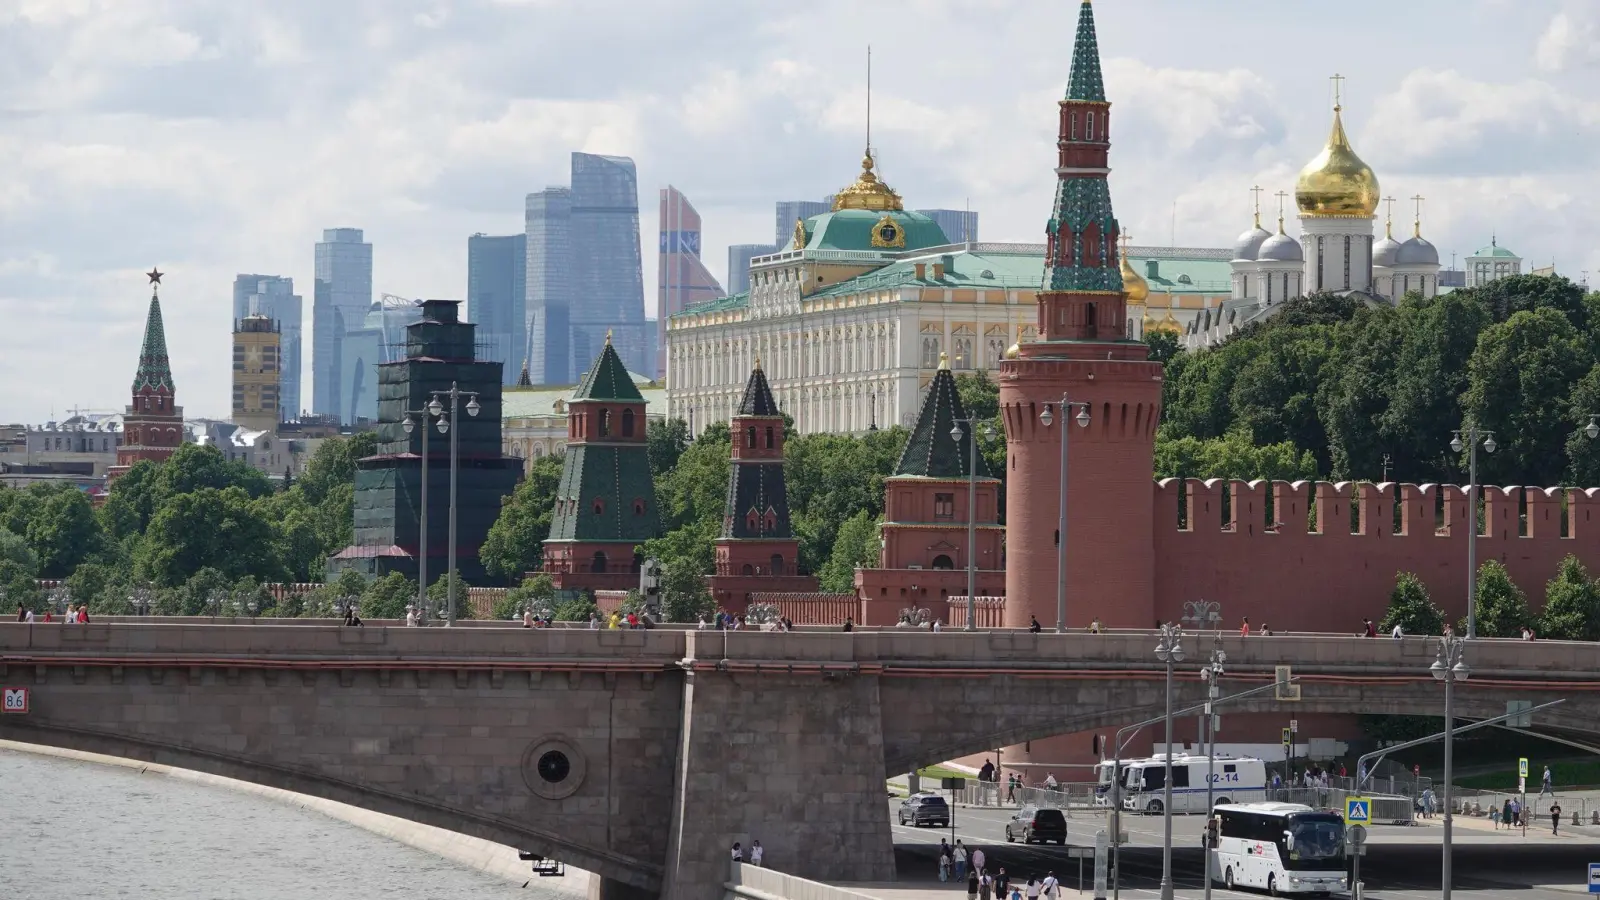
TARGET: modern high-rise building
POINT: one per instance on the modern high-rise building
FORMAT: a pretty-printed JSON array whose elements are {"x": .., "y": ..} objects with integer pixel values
[
  {"x": 792, "y": 211},
  {"x": 256, "y": 373},
  {"x": 739, "y": 256},
  {"x": 683, "y": 280},
  {"x": 585, "y": 277},
  {"x": 547, "y": 324},
  {"x": 389, "y": 317},
  {"x": 273, "y": 296},
  {"x": 497, "y": 269},
  {"x": 339, "y": 309},
  {"x": 959, "y": 225}
]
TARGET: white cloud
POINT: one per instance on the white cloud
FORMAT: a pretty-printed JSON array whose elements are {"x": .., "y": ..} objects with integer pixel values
[{"x": 1572, "y": 39}]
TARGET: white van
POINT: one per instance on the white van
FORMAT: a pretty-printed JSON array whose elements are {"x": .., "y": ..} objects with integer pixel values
[{"x": 1234, "y": 779}]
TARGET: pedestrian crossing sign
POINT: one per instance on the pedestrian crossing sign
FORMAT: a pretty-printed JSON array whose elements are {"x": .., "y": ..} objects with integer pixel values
[
  {"x": 1357, "y": 811},
  {"x": 1522, "y": 767}
]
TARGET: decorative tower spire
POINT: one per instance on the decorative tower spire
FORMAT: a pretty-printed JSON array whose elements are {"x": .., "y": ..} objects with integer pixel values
[
  {"x": 1085, "y": 82},
  {"x": 1255, "y": 192},
  {"x": 155, "y": 371},
  {"x": 1416, "y": 224},
  {"x": 1388, "y": 218},
  {"x": 524, "y": 380}
]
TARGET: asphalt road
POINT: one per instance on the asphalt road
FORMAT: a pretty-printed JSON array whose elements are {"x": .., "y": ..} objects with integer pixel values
[{"x": 1401, "y": 863}]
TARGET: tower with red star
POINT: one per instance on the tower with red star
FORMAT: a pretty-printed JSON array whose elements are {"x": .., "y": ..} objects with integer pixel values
[{"x": 152, "y": 425}]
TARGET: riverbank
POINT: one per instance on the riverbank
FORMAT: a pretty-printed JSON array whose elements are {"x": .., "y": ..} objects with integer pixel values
[{"x": 495, "y": 860}]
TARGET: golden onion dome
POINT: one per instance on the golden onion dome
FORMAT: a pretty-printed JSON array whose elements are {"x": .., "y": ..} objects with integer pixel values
[
  {"x": 1337, "y": 183},
  {"x": 1133, "y": 284},
  {"x": 1167, "y": 323},
  {"x": 867, "y": 192},
  {"x": 1015, "y": 350}
]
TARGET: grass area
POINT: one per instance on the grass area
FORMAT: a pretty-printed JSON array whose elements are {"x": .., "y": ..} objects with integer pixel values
[
  {"x": 1564, "y": 774},
  {"x": 937, "y": 772}
]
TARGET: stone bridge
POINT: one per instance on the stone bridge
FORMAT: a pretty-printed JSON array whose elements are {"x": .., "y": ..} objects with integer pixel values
[{"x": 642, "y": 755}]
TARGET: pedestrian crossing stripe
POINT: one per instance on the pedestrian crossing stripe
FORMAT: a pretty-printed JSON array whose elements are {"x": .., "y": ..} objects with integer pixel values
[{"x": 1357, "y": 811}]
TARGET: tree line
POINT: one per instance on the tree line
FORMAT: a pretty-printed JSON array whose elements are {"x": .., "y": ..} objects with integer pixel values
[{"x": 1571, "y": 609}]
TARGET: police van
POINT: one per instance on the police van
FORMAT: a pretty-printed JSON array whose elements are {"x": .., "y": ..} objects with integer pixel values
[{"x": 1233, "y": 779}]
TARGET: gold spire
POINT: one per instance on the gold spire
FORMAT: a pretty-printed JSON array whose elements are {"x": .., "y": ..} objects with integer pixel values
[
  {"x": 1388, "y": 218},
  {"x": 758, "y": 364},
  {"x": 1134, "y": 286},
  {"x": 608, "y": 337},
  {"x": 1416, "y": 225},
  {"x": 1337, "y": 184},
  {"x": 1255, "y": 191},
  {"x": 1015, "y": 350},
  {"x": 944, "y": 360},
  {"x": 1282, "y": 196},
  {"x": 867, "y": 192}
]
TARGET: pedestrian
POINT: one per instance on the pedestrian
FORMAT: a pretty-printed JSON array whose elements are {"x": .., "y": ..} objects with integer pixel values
[
  {"x": 1265, "y": 631},
  {"x": 1244, "y": 629},
  {"x": 1505, "y": 816},
  {"x": 1033, "y": 624},
  {"x": 1033, "y": 888},
  {"x": 22, "y": 612},
  {"x": 738, "y": 852},
  {"x": 411, "y": 617},
  {"x": 1002, "y": 882},
  {"x": 1011, "y": 789},
  {"x": 849, "y": 624},
  {"x": 1555, "y": 818},
  {"x": 1449, "y": 630},
  {"x": 1546, "y": 789},
  {"x": 985, "y": 886},
  {"x": 972, "y": 885},
  {"x": 29, "y": 617},
  {"x": 1094, "y": 625},
  {"x": 1368, "y": 629},
  {"x": 937, "y": 626},
  {"x": 944, "y": 861},
  {"x": 615, "y": 621},
  {"x": 701, "y": 623},
  {"x": 959, "y": 855},
  {"x": 1516, "y": 812},
  {"x": 527, "y": 617},
  {"x": 594, "y": 621},
  {"x": 977, "y": 860},
  {"x": 1050, "y": 781},
  {"x": 756, "y": 853},
  {"x": 1050, "y": 886}
]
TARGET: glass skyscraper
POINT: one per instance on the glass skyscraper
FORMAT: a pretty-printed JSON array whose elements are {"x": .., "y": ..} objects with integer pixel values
[
  {"x": 739, "y": 256},
  {"x": 497, "y": 269},
  {"x": 959, "y": 225},
  {"x": 339, "y": 354},
  {"x": 585, "y": 272},
  {"x": 789, "y": 211},
  {"x": 273, "y": 296},
  {"x": 683, "y": 280}
]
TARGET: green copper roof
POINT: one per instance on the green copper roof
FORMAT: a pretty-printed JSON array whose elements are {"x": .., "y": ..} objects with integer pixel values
[
  {"x": 852, "y": 229},
  {"x": 930, "y": 451},
  {"x": 1495, "y": 250},
  {"x": 977, "y": 270},
  {"x": 1080, "y": 201},
  {"x": 155, "y": 373},
  {"x": 607, "y": 379},
  {"x": 1085, "y": 83},
  {"x": 606, "y": 495},
  {"x": 757, "y": 400}
]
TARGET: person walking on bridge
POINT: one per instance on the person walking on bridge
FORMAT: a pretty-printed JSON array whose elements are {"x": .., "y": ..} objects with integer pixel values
[
  {"x": 1546, "y": 784},
  {"x": 1555, "y": 818}
]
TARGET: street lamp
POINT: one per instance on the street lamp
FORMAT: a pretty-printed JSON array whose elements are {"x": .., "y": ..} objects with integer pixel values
[
  {"x": 436, "y": 407},
  {"x": 956, "y": 433},
  {"x": 1449, "y": 668},
  {"x": 1473, "y": 438},
  {"x": 1211, "y": 674},
  {"x": 1082, "y": 419},
  {"x": 410, "y": 425},
  {"x": 1170, "y": 651}
]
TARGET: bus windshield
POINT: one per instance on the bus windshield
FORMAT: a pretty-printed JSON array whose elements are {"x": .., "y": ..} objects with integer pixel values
[{"x": 1319, "y": 838}]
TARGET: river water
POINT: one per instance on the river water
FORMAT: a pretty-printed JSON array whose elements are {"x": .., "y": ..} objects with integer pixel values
[{"x": 71, "y": 830}]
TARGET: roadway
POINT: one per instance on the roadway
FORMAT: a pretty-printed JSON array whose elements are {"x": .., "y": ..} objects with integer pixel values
[{"x": 1401, "y": 863}]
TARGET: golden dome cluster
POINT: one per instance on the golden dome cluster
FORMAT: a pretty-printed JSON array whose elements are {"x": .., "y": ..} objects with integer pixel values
[
  {"x": 1133, "y": 284},
  {"x": 867, "y": 192}
]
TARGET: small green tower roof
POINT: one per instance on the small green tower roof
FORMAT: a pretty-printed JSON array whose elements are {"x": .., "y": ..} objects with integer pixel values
[
  {"x": 930, "y": 452},
  {"x": 1085, "y": 82},
  {"x": 155, "y": 372},
  {"x": 607, "y": 379}
]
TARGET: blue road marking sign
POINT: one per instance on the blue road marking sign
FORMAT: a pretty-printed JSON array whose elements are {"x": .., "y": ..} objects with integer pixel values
[
  {"x": 1594, "y": 878},
  {"x": 1357, "y": 811}
]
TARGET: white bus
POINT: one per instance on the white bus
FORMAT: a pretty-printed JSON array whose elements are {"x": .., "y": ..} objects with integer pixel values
[
  {"x": 1234, "y": 779},
  {"x": 1281, "y": 848}
]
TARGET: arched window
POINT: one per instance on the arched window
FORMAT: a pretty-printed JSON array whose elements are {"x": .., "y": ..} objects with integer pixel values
[
  {"x": 599, "y": 506},
  {"x": 750, "y": 437},
  {"x": 751, "y": 521},
  {"x": 748, "y": 570},
  {"x": 1088, "y": 126},
  {"x": 1089, "y": 318},
  {"x": 605, "y": 422},
  {"x": 777, "y": 564},
  {"x": 1074, "y": 132},
  {"x": 942, "y": 562},
  {"x": 627, "y": 423},
  {"x": 598, "y": 562},
  {"x": 769, "y": 437}
]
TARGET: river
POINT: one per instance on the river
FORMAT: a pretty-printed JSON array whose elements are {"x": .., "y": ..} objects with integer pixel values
[{"x": 71, "y": 830}]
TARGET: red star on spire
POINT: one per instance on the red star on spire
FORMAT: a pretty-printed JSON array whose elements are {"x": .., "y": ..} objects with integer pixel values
[{"x": 154, "y": 275}]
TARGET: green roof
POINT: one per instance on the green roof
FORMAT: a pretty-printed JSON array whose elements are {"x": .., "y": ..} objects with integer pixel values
[
  {"x": 155, "y": 372},
  {"x": 1495, "y": 250},
  {"x": 851, "y": 229},
  {"x": 1205, "y": 276},
  {"x": 529, "y": 402},
  {"x": 733, "y": 301},
  {"x": 1085, "y": 82},
  {"x": 930, "y": 452},
  {"x": 962, "y": 269},
  {"x": 607, "y": 379}
]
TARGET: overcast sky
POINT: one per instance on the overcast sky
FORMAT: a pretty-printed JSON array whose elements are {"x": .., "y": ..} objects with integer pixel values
[{"x": 211, "y": 137}]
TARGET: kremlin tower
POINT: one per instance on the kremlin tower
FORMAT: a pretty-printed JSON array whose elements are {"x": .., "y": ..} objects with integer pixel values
[
  {"x": 152, "y": 426},
  {"x": 1084, "y": 357}
]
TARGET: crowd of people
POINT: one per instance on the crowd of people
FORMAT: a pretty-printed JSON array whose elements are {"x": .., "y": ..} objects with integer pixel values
[{"x": 75, "y": 615}]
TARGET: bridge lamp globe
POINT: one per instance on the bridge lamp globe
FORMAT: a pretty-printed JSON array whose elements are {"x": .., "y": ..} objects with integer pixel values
[
  {"x": 1461, "y": 671},
  {"x": 1592, "y": 429},
  {"x": 1083, "y": 417},
  {"x": 408, "y": 425},
  {"x": 955, "y": 433},
  {"x": 444, "y": 426},
  {"x": 435, "y": 408},
  {"x": 1489, "y": 444},
  {"x": 473, "y": 407},
  {"x": 1047, "y": 417},
  {"x": 1455, "y": 443}
]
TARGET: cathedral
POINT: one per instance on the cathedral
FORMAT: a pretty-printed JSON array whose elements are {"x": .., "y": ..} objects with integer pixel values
[{"x": 1337, "y": 196}]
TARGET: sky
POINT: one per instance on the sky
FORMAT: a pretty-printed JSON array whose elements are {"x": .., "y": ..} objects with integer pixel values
[{"x": 213, "y": 137}]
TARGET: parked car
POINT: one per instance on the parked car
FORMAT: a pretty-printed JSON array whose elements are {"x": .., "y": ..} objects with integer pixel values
[
  {"x": 924, "y": 809},
  {"x": 1034, "y": 823}
]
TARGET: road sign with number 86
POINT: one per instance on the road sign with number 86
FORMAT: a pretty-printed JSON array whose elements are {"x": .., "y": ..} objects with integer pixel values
[{"x": 15, "y": 700}]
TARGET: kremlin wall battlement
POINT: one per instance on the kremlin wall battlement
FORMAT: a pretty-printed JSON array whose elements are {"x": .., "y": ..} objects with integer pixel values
[{"x": 1320, "y": 556}]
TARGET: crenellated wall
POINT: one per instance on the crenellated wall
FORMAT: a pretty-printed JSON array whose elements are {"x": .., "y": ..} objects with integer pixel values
[{"x": 1315, "y": 556}]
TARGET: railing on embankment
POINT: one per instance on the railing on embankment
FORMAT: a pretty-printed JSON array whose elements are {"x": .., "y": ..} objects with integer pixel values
[{"x": 748, "y": 882}]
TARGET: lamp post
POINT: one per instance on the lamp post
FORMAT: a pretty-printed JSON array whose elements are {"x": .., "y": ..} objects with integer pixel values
[
  {"x": 956, "y": 431},
  {"x": 1067, "y": 405},
  {"x": 455, "y": 394},
  {"x": 1211, "y": 674},
  {"x": 1170, "y": 651},
  {"x": 1473, "y": 437},
  {"x": 1449, "y": 668},
  {"x": 410, "y": 425}
]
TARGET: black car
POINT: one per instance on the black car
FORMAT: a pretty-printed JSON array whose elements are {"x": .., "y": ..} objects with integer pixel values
[
  {"x": 924, "y": 809},
  {"x": 1033, "y": 823}
]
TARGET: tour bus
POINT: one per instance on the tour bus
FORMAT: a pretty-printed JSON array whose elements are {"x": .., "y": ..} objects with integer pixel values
[
  {"x": 1234, "y": 779},
  {"x": 1279, "y": 847}
]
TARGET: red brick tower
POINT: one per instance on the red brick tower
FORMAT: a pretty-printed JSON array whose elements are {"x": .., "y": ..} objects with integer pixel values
[
  {"x": 152, "y": 427},
  {"x": 757, "y": 551},
  {"x": 1084, "y": 353}
]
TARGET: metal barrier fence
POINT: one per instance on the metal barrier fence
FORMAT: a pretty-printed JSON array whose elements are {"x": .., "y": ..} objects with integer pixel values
[
  {"x": 1385, "y": 809},
  {"x": 1473, "y": 803},
  {"x": 1075, "y": 798}
]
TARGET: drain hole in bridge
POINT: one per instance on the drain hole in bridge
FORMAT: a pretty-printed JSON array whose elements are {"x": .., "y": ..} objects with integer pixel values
[{"x": 554, "y": 767}]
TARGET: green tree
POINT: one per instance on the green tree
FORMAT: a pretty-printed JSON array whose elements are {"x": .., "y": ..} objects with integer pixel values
[
  {"x": 1163, "y": 346},
  {"x": 537, "y": 593},
  {"x": 1583, "y": 454},
  {"x": 1231, "y": 456},
  {"x": 1571, "y": 604},
  {"x": 1502, "y": 606},
  {"x": 515, "y": 543},
  {"x": 665, "y": 442},
  {"x": 1520, "y": 380},
  {"x": 64, "y": 533},
  {"x": 350, "y": 584},
  {"x": 1505, "y": 297},
  {"x": 1428, "y": 376},
  {"x": 832, "y": 477},
  {"x": 439, "y": 594},
  {"x": 14, "y": 548},
  {"x": 980, "y": 397},
  {"x": 203, "y": 594},
  {"x": 388, "y": 597},
  {"x": 857, "y": 546},
  {"x": 1411, "y": 608},
  {"x": 334, "y": 464},
  {"x": 99, "y": 586},
  {"x": 213, "y": 528},
  {"x": 298, "y": 534}
]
